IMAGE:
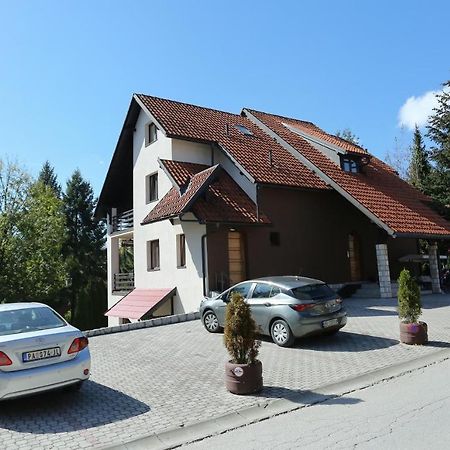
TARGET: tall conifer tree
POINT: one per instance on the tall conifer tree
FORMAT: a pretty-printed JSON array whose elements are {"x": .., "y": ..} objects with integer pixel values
[
  {"x": 419, "y": 167},
  {"x": 84, "y": 247}
]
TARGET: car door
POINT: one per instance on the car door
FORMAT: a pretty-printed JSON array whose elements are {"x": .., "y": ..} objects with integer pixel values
[
  {"x": 260, "y": 305},
  {"x": 241, "y": 288}
]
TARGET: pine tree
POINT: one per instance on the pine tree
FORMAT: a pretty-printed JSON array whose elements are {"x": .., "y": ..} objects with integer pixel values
[
  {"x": 47, "y": 176},
  {"x": 84, "y": 248},
  {"x": 439, "y": 133},
  {"x": 419, "y": 167}
]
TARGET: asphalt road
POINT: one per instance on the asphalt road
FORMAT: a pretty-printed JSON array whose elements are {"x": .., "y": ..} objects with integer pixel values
[{"x": 410, "y": 412}]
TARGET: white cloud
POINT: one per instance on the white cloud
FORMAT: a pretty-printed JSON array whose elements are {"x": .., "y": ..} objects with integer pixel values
[{"x": 417, "y": 110}]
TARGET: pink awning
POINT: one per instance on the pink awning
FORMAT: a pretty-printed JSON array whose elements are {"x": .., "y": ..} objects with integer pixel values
[{"x": 139, "y": 302}]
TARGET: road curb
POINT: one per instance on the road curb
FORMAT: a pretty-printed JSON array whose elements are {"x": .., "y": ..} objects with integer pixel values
[{"x": 264, "y": 410}]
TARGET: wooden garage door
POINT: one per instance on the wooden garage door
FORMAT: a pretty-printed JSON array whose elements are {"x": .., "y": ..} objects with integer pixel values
[{"x": 236, "y": 257}]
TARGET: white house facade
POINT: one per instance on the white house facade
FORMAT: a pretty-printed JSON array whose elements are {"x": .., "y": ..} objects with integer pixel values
[{"x": 198, "y": 199}]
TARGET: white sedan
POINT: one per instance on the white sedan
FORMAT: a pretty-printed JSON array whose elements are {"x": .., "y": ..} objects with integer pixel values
[{"x": 39, "y": 351}]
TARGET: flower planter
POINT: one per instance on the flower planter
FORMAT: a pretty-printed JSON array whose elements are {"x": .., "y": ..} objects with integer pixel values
[
  {"x": 243, "y": 378},
  {"x": 414, "y": 333}
]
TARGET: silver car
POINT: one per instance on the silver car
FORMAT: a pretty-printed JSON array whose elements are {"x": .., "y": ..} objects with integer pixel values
[
  {"x": 285, "y": 308},
  {"x": 39, "y": 351}
]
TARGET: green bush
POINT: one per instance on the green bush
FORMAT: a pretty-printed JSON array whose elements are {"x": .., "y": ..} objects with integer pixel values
[
  {"x": 409, "y": 304},
  {"x": 240, "y": 331}
]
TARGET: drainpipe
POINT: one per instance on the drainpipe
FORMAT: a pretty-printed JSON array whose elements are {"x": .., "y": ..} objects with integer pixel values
[
  {"x": 205, "y": 265},
  {"x": 257, "y": 203}
]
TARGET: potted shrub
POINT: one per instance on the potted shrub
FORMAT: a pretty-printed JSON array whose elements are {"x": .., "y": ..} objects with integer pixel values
[
  {"x": 412, "y": 331},
  {"x": 243, "y": 373}
]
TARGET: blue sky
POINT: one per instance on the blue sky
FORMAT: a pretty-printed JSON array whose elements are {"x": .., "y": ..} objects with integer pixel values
[{"x": 68, "y": 69}]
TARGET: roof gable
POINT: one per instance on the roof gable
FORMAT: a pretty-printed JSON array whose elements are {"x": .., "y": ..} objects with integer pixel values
[
  {"x": 208, "y": 192},
  {"x": 378, "y": 192}
]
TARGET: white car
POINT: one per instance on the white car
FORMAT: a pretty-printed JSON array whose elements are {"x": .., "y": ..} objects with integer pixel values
[{"x": 39, "y": 351}]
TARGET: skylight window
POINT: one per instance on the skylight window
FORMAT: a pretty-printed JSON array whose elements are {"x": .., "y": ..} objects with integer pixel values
[{"x": 244, "y": 130}]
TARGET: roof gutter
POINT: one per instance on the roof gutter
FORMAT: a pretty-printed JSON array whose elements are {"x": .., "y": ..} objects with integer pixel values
[{"x": 296, "y": 154}]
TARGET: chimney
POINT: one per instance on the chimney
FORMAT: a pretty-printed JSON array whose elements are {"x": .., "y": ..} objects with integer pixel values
[{"x": 227, "y": 130}]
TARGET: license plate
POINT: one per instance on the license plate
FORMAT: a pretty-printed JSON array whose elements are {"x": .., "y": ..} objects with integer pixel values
[
  {"x": 41, "y": 354},
  {"x": 330, "y": 323}
]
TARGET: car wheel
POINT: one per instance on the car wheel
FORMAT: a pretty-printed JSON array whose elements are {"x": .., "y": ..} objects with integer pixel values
[
  {"x": 281, "y": 333},
  {"x": 211, "y": 322}
]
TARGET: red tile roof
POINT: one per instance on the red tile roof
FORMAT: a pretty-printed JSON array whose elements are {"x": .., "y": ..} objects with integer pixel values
[
  {"x": 208, "y": 192},
  {"x": 139, "y": 302},
  {"x": 378, "y": 189},
  {"x": 181, "y": 120}
]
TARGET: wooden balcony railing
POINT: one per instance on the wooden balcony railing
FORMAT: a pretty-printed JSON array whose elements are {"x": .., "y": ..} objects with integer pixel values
[
  {"x": 122, "y": 221},
  {"x": 123, "y": 282}
]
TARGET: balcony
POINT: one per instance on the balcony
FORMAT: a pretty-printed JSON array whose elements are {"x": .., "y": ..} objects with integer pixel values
[
  {"x": 122, "y": 221},
  {"x": 123, "y": 282}
]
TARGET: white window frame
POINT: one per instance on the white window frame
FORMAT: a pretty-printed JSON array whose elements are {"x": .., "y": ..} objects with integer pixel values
[
  {"x": 181, "y": 251},
  {"x": 151, "y": 133},
  {"x": 153, "y": 260},
  {"x": 149, "y": 198}
]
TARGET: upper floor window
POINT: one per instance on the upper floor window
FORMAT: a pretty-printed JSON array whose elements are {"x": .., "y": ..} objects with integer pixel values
[
  {"x": 153, "y": 255},
  {"x": 181, "y": 250},
  {"x": 244, "y": 130},
  {"x": 349, "y": 164},
  {"x": 151, "y": 188},
  {"x": 151, "y": 133}
]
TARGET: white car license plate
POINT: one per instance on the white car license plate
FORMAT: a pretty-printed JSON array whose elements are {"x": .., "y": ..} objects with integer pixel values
[
  {"x": 330, "y": 323},
  {"x": 41, "y": 354}
]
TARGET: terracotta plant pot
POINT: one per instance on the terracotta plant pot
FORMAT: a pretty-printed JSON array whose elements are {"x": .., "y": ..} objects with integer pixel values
[
  {"x": 414, "y": 333},
  {"x": 243, "y": 378}
]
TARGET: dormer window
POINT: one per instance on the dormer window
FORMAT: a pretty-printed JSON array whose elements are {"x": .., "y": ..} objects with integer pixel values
[
  {"x": 349, "y": 164},
  {"x": 151, "y": 134},
  {"x": 243, "y": 130}
]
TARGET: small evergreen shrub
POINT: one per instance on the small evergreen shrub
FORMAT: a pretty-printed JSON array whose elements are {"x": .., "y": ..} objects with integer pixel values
[
  {"x": 240, "y": 331},
  {"x": 409, "y": 304}
]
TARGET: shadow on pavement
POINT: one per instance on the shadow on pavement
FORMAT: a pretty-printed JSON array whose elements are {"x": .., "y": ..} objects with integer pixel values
[
  {"x": 60, "y": 411},
  {"x": 345, "y": 341},
  {"x": 306, "y": 397}
]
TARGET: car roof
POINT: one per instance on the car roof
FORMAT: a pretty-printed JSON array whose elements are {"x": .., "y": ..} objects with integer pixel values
[
  {"x": 287, "y": 281},
  {"x": 20, "y": 305}
]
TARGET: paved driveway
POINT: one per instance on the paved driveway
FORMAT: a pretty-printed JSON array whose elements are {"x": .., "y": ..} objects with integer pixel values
[{"x": 154, "y": 379}]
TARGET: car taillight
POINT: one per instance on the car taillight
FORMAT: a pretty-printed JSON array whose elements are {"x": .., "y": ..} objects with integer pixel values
[
  {"x": 303, "y": 307},
  {"x": 78, "y": 344},
  {"x": 4, "y": 360}
]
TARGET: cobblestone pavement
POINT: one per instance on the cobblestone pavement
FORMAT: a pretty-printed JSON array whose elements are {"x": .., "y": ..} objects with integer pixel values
[{"x": 154, "y": 379}]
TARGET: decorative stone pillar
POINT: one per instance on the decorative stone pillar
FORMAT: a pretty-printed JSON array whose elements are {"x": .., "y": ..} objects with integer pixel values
[
  {"x": 384, "y": 275},
  {"x": 434, "y": 269}
]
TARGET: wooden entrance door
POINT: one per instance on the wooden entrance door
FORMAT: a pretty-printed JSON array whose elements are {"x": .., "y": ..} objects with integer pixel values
[
  {"x": 236, "y": 257},
  {"x": 354, "y": 255}
]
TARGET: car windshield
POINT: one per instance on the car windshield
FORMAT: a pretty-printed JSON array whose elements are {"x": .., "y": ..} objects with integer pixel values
[
  {"x": 28, "y": 319},
  {"x": 314, "y": 292}
]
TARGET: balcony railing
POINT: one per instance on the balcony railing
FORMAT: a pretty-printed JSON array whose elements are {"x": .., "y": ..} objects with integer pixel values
[
  {"x": 123, "y": 282},
  {"x": 122, "y": 221}
]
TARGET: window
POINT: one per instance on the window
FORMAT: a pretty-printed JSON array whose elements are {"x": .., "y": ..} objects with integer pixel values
[
  {"x": 153, "y": 255},
  {"x": 264, "y": 290},
  {"x": 242, "y": 289},
  {"x": 181, "y": 250},
  {"x": 151, "y": 134},
  {"x": 349, "y": 165},
  {"x": 151, "y": 182},
  {"x": 244, "y": 130},
  {"x": 275, "y": 239},
  {"x": 314, "y": 292}
]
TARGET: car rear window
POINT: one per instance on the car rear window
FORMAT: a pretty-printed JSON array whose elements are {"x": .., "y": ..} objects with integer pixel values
[
  {"x": 314, "y": 292},
  {"x": 28, "y": 319}
]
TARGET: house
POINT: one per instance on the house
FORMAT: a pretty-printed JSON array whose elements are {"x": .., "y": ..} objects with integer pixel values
[{"x": 200, "y": 199}]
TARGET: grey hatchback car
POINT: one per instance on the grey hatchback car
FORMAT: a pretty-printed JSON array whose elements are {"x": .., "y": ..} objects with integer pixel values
[{"x": 284, "y": 307}]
